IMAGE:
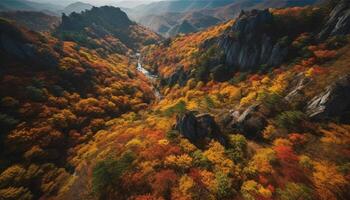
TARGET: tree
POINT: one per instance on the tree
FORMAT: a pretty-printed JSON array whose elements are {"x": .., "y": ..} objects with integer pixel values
[
  {"x": 238, "y": 148},
  {"x": 14, "y": 193},
  {"x": 162, "y": 182},
  {"x": 290, "y": 119},
  {"x": 295, "y": 191},
  {"x": 329, "y": 183},
  {"x": 224, "y": 186},
  {"x": 107, "y": 173},
  {"x": 216, "y": 155}
]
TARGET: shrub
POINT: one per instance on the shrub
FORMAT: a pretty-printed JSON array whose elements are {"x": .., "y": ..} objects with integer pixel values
[
  {"x": 290, "y": 119},
  {"x": 294, "y": 191},
  {"x": 108, "y": 172}
]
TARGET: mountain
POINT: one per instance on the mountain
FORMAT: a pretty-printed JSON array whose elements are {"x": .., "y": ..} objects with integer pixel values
[
  {"x": 48, "y": 86},
  {"x": 36, "y": 21},
  {"x": 257, "y": 107},
  {"x": 207, "y": 16},
  {"x": 107, "y": 25},
  {"x": 178, "y": 6},
  {"x": 77, "y": 7},
  {"x": 24, "y": 5}
]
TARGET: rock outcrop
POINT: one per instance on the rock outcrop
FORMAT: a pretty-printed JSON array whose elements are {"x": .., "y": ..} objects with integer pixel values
[
  {"x": 250, "y": 42},
  {"x": 299, "y": 82},
  {"x": 334, "y": 102},
  {"x": 249, "y": 122},
  {"x": 198, "y": 128},
  {"x": 338, "y": 22}
]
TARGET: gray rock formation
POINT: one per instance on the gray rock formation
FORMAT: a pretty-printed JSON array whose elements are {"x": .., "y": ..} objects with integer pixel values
[
  {"x": 297, "y": 85},
  {"x": 334, "y": 102},
  {"x": 249, "y": 122},
  {"x": 338, "y": 22},
  {"x": 199, "y": 128},
  {"x": 250, "y": 42}
]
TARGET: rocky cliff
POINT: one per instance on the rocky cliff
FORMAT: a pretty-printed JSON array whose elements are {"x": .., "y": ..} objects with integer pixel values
[
  {"x": 338, "y": 22},
  {"x": 250, "y": 42}
]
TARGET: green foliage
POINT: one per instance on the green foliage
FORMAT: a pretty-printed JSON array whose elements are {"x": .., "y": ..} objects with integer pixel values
[
  {"x": 35, "y": 93},
  {"x": 107, "y": 173},
  {"x": 238, "y": 78},
  {"x": 200, "y": 160},
  {"x": 7, "y": 121},
  {"x": 294, "y": 191},
  {"x": 172, "y": 135},
  {"x": 237, "y": 148},
  {"x": 290, "y": 119},
  {"x": 225, "y": 189},
  {"x": 206, "y": 61},
  {"x": 178, "y": 108},
  {"x": 272, "y": 101}
]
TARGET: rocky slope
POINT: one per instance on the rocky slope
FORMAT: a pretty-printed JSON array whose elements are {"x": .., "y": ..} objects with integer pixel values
[
  {"x": 36, "y": 21},
  {"x": 107, "y": 25}
]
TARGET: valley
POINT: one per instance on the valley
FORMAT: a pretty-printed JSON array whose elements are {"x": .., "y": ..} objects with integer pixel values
[{"x": 253, "y": 103}]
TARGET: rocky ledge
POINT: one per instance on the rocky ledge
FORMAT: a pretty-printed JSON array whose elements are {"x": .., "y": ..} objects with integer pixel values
[{"x": 334, "y": 102}]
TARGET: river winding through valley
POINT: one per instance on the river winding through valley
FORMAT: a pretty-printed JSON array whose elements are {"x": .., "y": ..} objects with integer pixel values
[{"x": 152, "y": 78}]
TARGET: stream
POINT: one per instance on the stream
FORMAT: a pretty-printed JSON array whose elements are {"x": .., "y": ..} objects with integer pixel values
[{"x": 152, "y": 78}]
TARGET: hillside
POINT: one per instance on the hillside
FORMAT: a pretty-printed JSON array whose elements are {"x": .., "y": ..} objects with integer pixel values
[
  {"x": 256, "y": 108},
  {"x": 24, "y": 5},
  {"x": 36, "y": 21},
  {"x": 104, "y": 25},
  {"x": 205, "y": 17},
  {"x": 56, "y": 95}
]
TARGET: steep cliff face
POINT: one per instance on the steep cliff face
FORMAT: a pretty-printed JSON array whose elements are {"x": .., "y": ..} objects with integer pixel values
[
  {"x": 250, "y": 42},
  {"x": 334, "y": 102},
  {"x": 338, "y": 22}
]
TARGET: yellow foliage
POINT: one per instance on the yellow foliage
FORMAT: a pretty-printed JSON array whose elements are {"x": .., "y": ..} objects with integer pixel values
[
  {"x": 261, "y": 161},
  {"x": 282, "y": 142},
  {"x": 183, "y": 161},
  {"x": 216, "y": 155},
  {"x": 185, "y": 185},
  {"x": 269, "y": 131},
  {"x": 338, "y": 134},
  {"x": 249, "y": 98},
  {"x": 328, "y": 181},
  {"x": 280, "y": 83},
  {"x": 187, "y": 146},
  {"x": 163, "y": 142}
]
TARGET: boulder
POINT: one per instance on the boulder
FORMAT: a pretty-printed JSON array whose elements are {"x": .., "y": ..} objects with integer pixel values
[
  {"x": 249, "y": 122},
  {"x": 200, "y": 127},
  {"x": 338, "y": 22},
  {"x": 334, "y": 102}
]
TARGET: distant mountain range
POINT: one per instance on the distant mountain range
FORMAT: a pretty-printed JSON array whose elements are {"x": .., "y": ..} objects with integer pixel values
[
  {"x": 35, "y": 21},
  {"x": 166, "y": 18},
  {"x": 24, "y": 5}
]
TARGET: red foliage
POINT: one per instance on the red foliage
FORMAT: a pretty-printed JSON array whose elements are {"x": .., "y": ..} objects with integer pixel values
[
  {"x": 289, "y": 163},
  {"x": 159, "y": 151},
  {"x": 297, "y": 138},
  {"x": 163, "y": 181}
]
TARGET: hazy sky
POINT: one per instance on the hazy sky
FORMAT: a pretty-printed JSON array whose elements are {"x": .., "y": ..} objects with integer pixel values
[{"x": 95, "y": 2}]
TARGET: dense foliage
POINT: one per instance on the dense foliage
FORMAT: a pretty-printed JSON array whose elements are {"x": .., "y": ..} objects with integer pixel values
[{"x": 84, "y": 124}]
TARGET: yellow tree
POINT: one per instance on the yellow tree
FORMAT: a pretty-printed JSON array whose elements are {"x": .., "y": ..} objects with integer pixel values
[{"x": 328, "y": 181}]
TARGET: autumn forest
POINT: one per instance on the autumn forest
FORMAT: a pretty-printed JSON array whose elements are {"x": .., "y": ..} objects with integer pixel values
[{"x": 98, "y": 105}]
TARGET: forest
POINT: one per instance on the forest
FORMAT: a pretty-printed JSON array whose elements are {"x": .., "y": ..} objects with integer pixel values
[{"x": 255, "y": 108}]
